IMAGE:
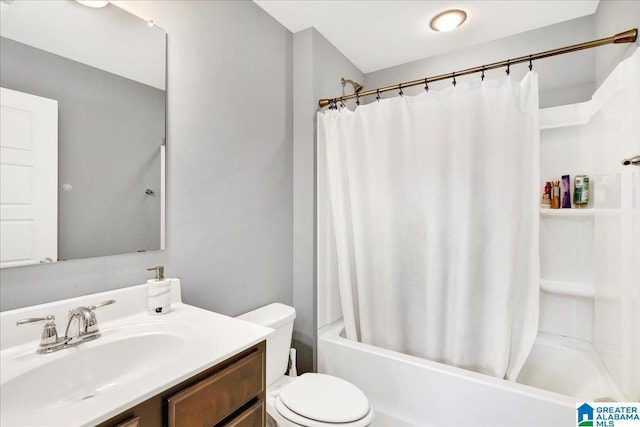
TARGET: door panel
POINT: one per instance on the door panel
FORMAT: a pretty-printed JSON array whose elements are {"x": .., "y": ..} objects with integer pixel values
[{"x": 28, "y": 179}]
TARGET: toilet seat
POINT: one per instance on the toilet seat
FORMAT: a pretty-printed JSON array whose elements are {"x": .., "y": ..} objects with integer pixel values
[
  {"x": 318, "y": 400},
  {"x": 298, "y": 420}
]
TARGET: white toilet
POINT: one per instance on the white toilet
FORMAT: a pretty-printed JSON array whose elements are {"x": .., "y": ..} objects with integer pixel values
[{"x": 310, "y": 400}]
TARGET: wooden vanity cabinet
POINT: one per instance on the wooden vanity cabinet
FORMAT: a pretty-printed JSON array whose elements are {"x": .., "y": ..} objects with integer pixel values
[{"x": 231, "y": 393}]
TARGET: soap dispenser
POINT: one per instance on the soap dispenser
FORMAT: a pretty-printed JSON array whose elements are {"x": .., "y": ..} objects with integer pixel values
[{"x": 158, "y": 293}]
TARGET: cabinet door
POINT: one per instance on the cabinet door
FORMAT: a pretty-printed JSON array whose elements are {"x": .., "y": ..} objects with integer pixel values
[{"x": 209, "y": 401}]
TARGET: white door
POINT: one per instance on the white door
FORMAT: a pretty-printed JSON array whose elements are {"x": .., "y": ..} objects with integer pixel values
[{"x": 28, "y": 179}]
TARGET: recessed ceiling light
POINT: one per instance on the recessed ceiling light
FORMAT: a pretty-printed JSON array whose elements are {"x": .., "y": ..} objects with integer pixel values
[
  {"x": 93, "y": 3},
  {"x": 448, "y": 20}
]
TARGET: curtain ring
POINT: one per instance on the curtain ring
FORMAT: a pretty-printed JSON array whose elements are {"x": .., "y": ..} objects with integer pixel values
[
  {"x": 357, "y": 99},
  {"x": 426, "y": 85},
  {"x": 342, "y": 103},
  {"x": 482, "y": 75},
  {"x": 454, "y": 78},
  {"x": 508, "y": 66},
  {"x": 401, "y": 92},
  {"x": 378, "y": 95},
  {"x": 530, "y": 63}
]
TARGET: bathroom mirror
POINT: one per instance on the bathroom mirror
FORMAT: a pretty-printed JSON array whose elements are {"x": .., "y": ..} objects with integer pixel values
[{"x": 83, "y": 132}]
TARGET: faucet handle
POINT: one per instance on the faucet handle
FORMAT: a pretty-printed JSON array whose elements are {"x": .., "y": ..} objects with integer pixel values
[
  {"x": 102, "y": 304},
  {"x": 30, "y": 320},
  {"x": 92, "y": 323},
  {"x": 49, "y": 338}
]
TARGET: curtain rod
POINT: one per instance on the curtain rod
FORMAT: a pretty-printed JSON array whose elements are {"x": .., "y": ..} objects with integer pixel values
[{"x": 628, "y": 36}]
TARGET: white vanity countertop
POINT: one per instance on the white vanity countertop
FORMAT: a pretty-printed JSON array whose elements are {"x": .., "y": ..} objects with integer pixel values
[{"x": 158, "y": 352}]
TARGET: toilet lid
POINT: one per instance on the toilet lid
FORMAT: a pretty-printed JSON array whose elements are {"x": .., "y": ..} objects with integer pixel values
[{"x": 325, "y": 398}]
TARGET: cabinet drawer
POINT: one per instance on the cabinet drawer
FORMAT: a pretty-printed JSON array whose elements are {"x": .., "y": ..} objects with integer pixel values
[
  {"x": 209, "y": 401},
  {"x": 132, "y": 422},
  {"x": 254, "y": 416}
]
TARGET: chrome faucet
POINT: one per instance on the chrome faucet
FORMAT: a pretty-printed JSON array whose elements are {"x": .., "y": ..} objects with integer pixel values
[
  {"x": 85, "y": 319},
  {"x": 86, "y": 328}
]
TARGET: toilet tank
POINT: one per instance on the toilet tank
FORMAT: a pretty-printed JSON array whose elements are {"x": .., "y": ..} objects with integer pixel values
[{"x": 279, "y": 317}]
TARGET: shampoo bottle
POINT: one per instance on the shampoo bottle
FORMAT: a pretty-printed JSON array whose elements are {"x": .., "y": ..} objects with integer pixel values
[
  {"x": 158, "y": 293},
  {"x": 555, "y": 195}
]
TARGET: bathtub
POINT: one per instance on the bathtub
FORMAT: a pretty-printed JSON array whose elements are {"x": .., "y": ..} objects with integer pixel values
[{"x": 408, "y": 391}]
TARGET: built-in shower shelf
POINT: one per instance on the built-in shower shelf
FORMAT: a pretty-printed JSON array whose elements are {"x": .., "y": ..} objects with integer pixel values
[
  {"x": 577, "y": 289},
  {"x": 566, "y": 115},
  {"x": 578, "y": 212}
]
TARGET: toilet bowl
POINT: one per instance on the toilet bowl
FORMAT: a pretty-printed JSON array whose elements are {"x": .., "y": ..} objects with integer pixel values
[{"x": 310, "y": 400}]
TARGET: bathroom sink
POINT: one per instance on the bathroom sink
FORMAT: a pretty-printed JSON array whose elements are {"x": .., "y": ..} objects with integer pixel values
[
  {"x": 135, "y": 358},
  {"x": 83, "y": 372}
]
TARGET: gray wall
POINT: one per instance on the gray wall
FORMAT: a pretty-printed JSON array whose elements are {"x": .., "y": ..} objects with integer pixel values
[
  {"x": 562, "y": 80},
  {"x": 110, "y": 130},
  {"x": 318, "y": 67},
  {"x": 612, "y": 17},
  {"x": 230, "y": 153},
  {"x": 229, "y": 147}
]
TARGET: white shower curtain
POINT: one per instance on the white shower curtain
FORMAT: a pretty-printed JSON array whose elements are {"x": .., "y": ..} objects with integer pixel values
[{"x": 434, "y": 200}]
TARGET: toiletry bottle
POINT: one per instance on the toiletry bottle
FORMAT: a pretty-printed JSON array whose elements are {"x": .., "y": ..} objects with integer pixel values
[
  {"x": 566, "y": 191},
  {"x": 546, "y": 195},
  {"x": 555, "y": 195},
  {"x": 158, "y": 293},
  {"x": 581, "y": 192}
]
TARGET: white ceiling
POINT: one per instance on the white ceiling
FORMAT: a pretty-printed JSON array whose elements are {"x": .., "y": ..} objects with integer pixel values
[{"x": 384, "y": 33}]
